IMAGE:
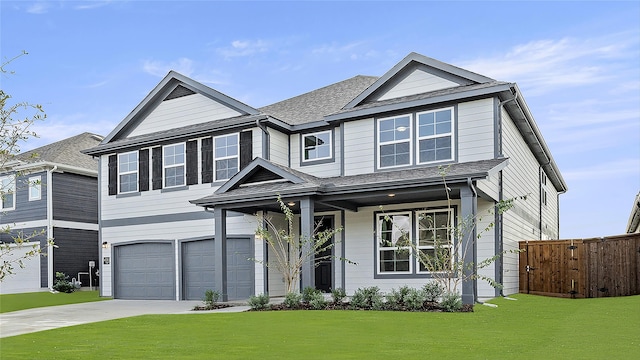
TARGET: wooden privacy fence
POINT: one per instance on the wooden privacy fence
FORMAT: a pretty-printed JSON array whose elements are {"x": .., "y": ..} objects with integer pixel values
[{"x": 584, "y": 268}]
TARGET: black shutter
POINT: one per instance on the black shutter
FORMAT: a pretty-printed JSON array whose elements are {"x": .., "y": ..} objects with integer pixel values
[
  {"x": 207, "y": 160},
  {"x": 192, "y": 162},
  {"x": 113, "y": 174},
  {"x": 246, "y": 147},
  {"x": 143, "y": 170},
  {"x": 156, "y": 168}
]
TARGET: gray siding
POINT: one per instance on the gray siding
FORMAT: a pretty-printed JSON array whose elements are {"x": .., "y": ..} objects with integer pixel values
[
  {"x": 75, "y": 248},
  {"x": 26, "y": 210},
  {"x": 75, "y": 198}
]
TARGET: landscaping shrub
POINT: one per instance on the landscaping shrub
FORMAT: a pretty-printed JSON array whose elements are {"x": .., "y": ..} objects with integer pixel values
[
  {"x": 308, "y": 293},
  {"x": 317, "y": 301},
  {"x": 292, "y": 300},
  {"x": 413, "y": 299},
  {"x": 432, "y": 291},
  {"x": 368, "y": 298},
  {"x": 259, "y": 302},
  {"x": 62, "y": 283},
  {"x": 211, "y": 297},
  {"x": 394, "y": 298},
  {"x": 338, "y": 295},
  {"x": 451, "y": 302}
]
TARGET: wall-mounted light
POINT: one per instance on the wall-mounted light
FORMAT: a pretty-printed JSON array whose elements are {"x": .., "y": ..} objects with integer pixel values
[
  {"x": 291, "y": 203},
  {"x": 105, "y": 245},
  {"x": 391, "y": 195}
]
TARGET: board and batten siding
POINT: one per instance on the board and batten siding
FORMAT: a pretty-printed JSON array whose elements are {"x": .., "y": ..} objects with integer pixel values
[
  {"x": 191, "y": 110},
  {"x": 359, "y": 147},
  {"x": 417, "y": 82},
  {"x": 476, "y": 132},
  {"x": 324, "y": 169},
  {"x": 520, "y": 178}
]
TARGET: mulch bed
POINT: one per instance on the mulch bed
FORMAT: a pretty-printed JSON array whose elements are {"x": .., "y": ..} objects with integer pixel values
[{"x": 428, "y": 307}]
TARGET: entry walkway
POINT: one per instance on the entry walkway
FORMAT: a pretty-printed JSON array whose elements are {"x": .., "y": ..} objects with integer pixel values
[{"x": 52, "y": 317}]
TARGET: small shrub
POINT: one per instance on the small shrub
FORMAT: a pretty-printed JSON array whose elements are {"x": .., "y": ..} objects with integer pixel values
[
  {"x": 317, "y": 301},
  {"x": 259, "y": 302},
  {"x": 211, "y": 297},
  {"x": 338, "y": 295},
  {"x": 414, "y": 299},
  {"x": 432, "y": 291},
  {"x": 367, "y": 298},
  {"x": 451, "y": 302},
  {"x": 308, "y": 293},
  {"x": 62, "y": 283},
  {"x": 292, "y": 300}
]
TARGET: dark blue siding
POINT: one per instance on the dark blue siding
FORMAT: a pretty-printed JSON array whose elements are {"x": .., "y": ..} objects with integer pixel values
[
  {"x": 75, "y": 198},
  {"x": 26, "y": 210},
  {"x": 75, "y": 248}
]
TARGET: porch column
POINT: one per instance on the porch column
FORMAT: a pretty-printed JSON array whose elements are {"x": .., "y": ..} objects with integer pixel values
[
  {"x": 467, "y": 214},
  {"x": 220, "y": 259},
  {"x": 306, "y": 232}
]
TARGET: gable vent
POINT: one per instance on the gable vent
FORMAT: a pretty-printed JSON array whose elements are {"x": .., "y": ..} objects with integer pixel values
[{"x": 179, "y": 91}]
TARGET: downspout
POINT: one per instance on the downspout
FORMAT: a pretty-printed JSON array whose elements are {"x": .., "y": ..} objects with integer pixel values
[
  {"x": 265, "y": 142},
  {"x": 50, "y": 274},
  {"x": 475, "y": 238},
  {"x": 540, "y": 189}
]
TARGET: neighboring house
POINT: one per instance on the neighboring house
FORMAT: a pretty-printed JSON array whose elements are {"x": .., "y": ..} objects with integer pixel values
[
  {"x": 633, "y": 225},
  {"x": 52, "y": 192},
  {"x": 338, "y": 154}
]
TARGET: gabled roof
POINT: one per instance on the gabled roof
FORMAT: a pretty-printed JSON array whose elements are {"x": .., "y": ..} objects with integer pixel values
[
  {"x": 314, "y": 105},
  {"x": 173, "y": 85},
  {"x": 64, "y": 153},
  {"x": 462, "y": 76}
]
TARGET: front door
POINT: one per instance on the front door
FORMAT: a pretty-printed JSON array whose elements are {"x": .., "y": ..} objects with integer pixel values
[{"x": 324, "y": 259}]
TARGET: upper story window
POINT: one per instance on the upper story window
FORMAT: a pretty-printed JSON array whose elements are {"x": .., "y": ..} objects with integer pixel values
[
  {"x": 8, "y": 193},
  {"x": 226, "y": 156},
  {"x": 435, "y": 239},
  {"x": 394, "y": 243},
  {"x": 394, "y": 141},
  {"x": 317, "y": 146},
  {"x": 173, "y": 165},
  {"x": 435, "y": 136},
  {"x": 432, "y": 142},
  {"x": 35, "y": 188},
  {"x": 128, "y": 172}
]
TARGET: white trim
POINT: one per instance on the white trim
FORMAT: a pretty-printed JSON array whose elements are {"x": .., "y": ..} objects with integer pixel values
[
  {"x": 75, "y": 225},
  {"x": 380, "y": 218},
  {"x": 183, "y": 164},
  {"x": 450, "y": 134},
  {"x": 128, "y": 172},
  {"x": 215, "y": 158},
  {"x": 35, "y": 183},
  {"x": 379, "y": 143},
  {"x": 427, "y": 247},
  {"x": 329, "y": 145},
  {"x": 8, "y": 189}
]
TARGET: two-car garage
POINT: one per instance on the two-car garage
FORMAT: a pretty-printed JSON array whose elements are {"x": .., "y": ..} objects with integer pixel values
[{"x": 147, "y": 270}]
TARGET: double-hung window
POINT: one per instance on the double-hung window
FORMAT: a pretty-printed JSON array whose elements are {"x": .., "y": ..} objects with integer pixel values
[
  {"x": 8, "y": 193},
  {"x": 173, "y": 165},
  {"x": 317, "y": 146},
  {"x": 394, "y": 141},
  {"x": 435, "y": 135},
  {"x": 394, "y": 243},
  {"x": 435, "y": 239},
  {"x": 226, "y": 156},
  {"x": 35, "y": 188},
  {"x": 128, "y": 172}
]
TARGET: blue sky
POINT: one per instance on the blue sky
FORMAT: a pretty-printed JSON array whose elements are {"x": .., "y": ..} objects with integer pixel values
[{"x": 578, "y": 65}]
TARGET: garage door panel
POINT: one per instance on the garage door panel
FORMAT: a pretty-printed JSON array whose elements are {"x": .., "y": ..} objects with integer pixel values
[{"x": 145, "y": 271}]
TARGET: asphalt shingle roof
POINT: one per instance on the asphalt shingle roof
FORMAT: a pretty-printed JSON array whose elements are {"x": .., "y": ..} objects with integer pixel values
[{"x": 65, "y": 152}]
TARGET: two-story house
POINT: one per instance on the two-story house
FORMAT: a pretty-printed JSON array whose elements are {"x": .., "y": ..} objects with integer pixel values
[
  {"x": 51, "y": 192},
  {"x": 182, "y": 176}
]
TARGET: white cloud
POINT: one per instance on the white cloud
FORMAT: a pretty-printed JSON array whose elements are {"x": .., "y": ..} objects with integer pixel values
[
  {"x": 239, "y": 48},
  {"x": 39, "y": 8},
  {"x": 609, "y": 170},
  {"x": 92, "y": 4},
  {"x": 160, "y": 68}
]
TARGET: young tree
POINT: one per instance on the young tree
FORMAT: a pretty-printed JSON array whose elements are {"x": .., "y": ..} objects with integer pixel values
[
  {"x": 287, "y": 253},
  {"x": 15, "y": 127}
]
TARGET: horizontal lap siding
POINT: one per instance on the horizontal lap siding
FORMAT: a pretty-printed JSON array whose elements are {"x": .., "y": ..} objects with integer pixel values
[
  {"x": 359, "y": 143},
  {"x": 26, "y": 210},
  {"x": 417, "y": 82},
  {"x": 327, "y": 169},
  {"x": 75, "y": 198},
  {"x": 279, "y": 147},
  {"x": 74, "y": 249},
  {"x": 486, "y": 246},
  {"x": 191, "y": 110},
  {"x": 476, "y": 132}
]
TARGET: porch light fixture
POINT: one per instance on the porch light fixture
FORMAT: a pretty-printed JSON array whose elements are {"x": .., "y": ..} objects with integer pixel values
[
  {"x": 291, "y": 203},
  {"x": 391, "y": 195},
  {"x": 105, "y": 245}
]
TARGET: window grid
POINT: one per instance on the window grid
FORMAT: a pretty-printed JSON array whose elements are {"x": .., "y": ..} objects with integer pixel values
[
  {"x": 435, "y": 135},
  {"x": 173, "y": 165},
  {"x": 128, "y": 172},
  {"x": 394, "y": 249},
  {"x": 434, "y": 239},
  {"x": 35, "y": 188},
  {"x": 317, "y": 146},
  {"x": 226, "y": 156},
  {"x": 8, "y": 193},
  {"x": 394, "y": 141}
]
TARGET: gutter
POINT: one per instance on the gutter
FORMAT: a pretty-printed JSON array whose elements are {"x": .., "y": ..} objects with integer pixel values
[{"x": 267, "y": 142}]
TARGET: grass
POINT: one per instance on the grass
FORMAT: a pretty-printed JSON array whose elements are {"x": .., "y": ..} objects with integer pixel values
[
  {"x": 532, "y": 327},
  {"x": 15, "y": 302}
]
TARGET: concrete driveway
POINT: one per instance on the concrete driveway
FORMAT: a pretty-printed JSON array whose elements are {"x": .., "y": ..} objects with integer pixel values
[{"x": 39, "y": 319}]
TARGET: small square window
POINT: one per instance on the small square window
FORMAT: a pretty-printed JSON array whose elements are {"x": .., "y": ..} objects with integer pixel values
[
  {"x": 8, "y": 193},
  {"x": 317, "y": 146},
  {"x": 35, "y": 188}
]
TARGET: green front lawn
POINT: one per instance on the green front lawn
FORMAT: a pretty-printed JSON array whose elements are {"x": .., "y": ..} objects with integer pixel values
[
  {"x": 15, "y": 302},
  {"x": 531, "y": 328}
]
